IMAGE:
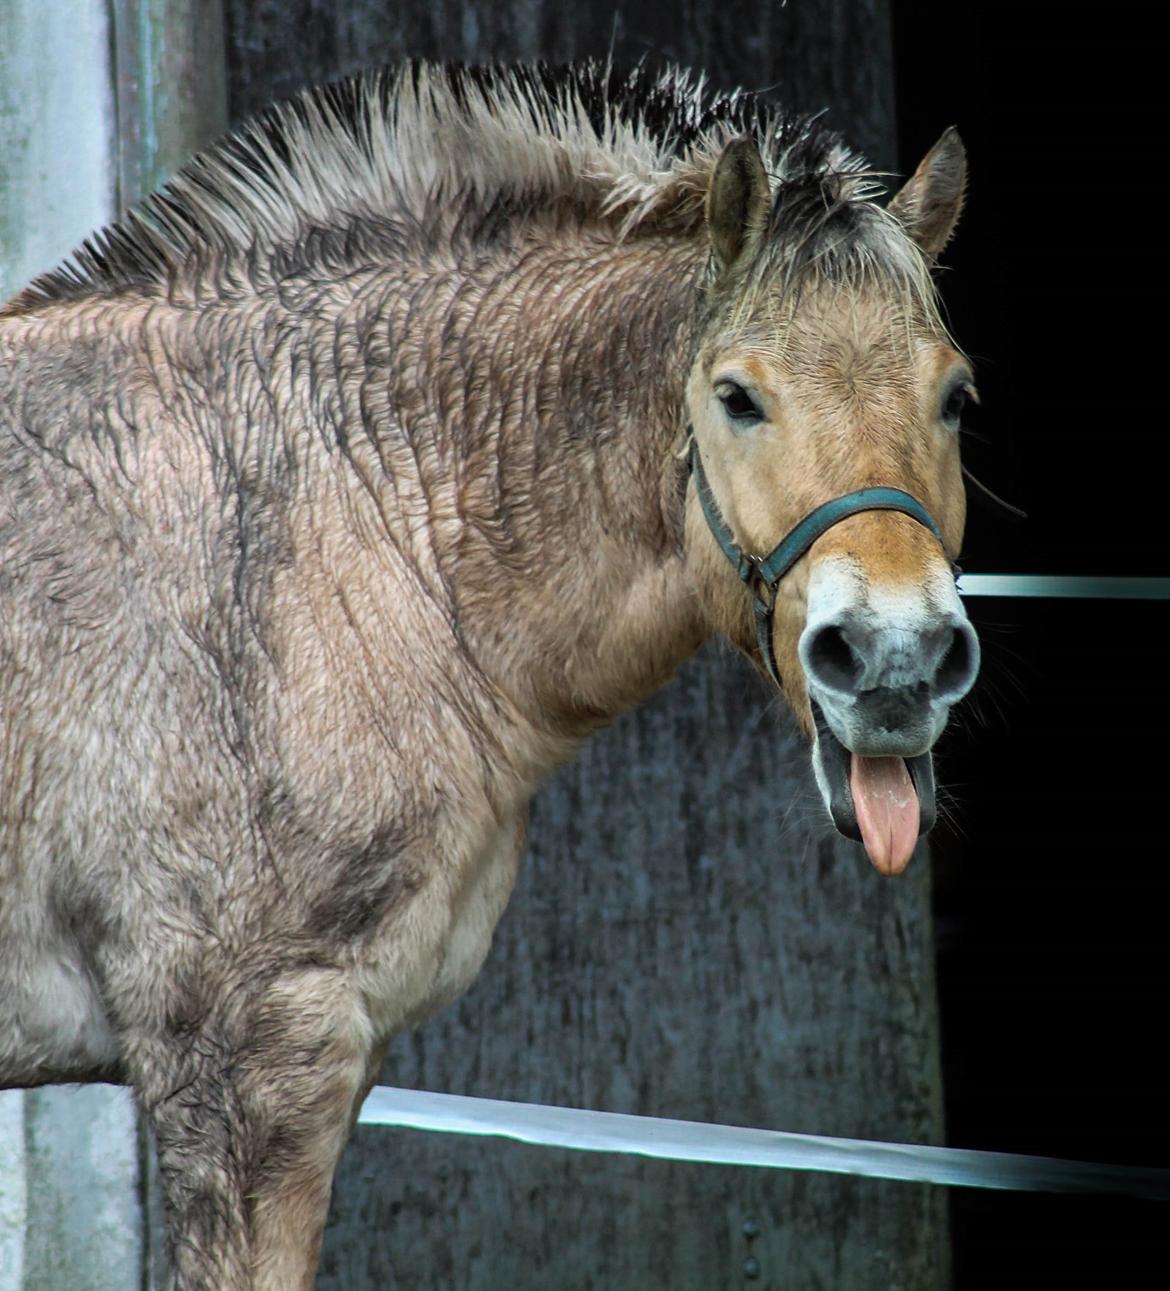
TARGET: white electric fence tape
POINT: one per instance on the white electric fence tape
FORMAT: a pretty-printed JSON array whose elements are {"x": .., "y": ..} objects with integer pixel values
[
  {"x": 588, "y": 1131},
  {"x": 1049, "y": 585}
]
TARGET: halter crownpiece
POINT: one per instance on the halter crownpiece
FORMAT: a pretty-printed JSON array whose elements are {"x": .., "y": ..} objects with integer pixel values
[{"x": 762, "y": 574}]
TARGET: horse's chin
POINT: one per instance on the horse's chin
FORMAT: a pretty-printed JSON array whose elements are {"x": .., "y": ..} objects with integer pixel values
[{"x": 884, "y": 803}]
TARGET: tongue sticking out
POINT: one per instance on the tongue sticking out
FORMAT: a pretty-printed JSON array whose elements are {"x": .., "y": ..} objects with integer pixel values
[{"x": 887, "y": 810}]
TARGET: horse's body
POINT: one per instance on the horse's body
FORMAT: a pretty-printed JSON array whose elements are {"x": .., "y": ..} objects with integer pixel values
[{"x": 342, "y": 496}]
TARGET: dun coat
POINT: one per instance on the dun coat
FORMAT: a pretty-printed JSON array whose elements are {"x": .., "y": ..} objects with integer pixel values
[{"x": 344, "y": 490}]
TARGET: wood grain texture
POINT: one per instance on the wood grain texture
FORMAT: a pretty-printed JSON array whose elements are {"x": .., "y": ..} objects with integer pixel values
[
  {"x": 833, "y": 55},
  {"x": 686, "y": 938},
  {"x": 684, "y": 942}
]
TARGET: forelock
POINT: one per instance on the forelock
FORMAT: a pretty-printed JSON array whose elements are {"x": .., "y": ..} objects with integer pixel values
[{"x": 826, "y": 227}]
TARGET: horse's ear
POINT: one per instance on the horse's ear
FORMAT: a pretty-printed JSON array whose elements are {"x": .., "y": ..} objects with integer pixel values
[
  {"x": 930, "y": 202},
  {"x": 737, "y": 201}
]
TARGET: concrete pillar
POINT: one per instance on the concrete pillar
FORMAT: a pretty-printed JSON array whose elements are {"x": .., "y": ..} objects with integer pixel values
[
  {"x": 57, "y": 134},
  {"x": 77, "y": 1207}
]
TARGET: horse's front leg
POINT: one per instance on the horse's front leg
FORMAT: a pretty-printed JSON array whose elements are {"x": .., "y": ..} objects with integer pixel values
[{"x": 251, "y": 1106}]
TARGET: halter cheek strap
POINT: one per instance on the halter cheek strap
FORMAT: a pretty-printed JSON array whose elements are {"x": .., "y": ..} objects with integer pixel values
[{"x": 762, "y": 574}]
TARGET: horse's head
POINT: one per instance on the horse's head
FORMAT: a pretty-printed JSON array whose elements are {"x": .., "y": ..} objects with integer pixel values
[{"x": 823, "y": 370}]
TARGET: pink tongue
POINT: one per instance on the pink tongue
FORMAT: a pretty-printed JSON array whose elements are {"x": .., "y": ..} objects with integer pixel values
[{"x": 887, "y": 810}]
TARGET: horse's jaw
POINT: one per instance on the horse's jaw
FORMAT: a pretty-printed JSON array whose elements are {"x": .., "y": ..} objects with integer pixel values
[{"x": 886, "y": 803}]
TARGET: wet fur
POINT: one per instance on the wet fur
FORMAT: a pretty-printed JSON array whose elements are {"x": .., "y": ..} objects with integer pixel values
[{"x": 341, "y": 499}]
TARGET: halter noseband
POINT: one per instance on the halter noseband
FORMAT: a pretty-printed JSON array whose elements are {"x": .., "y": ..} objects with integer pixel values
[{"x": 762, "y": 574}]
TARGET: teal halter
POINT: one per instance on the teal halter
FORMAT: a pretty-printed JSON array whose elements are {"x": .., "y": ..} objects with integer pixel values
[{"x": 762, "y": 574}]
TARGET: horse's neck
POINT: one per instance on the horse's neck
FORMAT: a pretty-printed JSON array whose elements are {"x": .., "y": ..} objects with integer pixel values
[{"x": 566, "y": 408}]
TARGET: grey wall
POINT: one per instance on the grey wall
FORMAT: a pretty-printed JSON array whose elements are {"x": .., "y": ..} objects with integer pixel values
[
  {"x": 57, "y": 132},
  {"x": 99, "y": 99}
]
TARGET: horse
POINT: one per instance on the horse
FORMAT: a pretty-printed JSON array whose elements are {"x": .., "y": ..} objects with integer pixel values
[{"x": 400, "y": 442}]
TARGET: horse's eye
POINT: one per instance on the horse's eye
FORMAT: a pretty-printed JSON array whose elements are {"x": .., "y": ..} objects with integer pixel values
[
  {"x": 737, "y": 403},
  {"x": 954, "y": 404}
]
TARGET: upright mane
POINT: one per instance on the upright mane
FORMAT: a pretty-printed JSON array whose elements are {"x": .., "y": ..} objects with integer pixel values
[{"x": 423, "y": 155}]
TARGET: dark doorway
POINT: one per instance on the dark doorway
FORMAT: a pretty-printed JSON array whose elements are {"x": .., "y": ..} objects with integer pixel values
[{"x": 1051, "y": 887}]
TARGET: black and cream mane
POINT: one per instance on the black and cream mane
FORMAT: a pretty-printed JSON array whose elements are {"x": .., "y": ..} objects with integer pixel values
[{"x": 422, "y": 156}]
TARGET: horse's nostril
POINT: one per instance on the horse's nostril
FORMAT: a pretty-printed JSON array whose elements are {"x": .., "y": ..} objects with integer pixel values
[
  {"x": 850, "y": 658},
  {"x": 956, "y": 673},
  {"x": 832, "y": 661}
]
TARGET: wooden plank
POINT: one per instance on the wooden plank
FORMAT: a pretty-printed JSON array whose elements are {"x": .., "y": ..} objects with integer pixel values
[
  {"x": 685, "y": 939},
  {"x": 835, "y": 55},
  {"x": 682, "y": 943}
]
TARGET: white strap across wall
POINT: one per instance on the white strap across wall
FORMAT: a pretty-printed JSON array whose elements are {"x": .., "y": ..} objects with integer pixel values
[
  {"x": 648, "y": 1136},
  {"x": 1060, "y": 585}
]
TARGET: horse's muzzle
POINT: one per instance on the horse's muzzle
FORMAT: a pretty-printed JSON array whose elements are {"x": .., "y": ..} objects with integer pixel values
[{"x": 883, "y": 668}]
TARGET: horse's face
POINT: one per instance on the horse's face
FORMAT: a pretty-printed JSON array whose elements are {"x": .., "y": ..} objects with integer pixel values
[{"x": 809, "y": 385}]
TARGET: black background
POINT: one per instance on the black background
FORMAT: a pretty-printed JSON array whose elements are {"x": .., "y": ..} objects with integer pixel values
[{"x": 1051, "y": 881}]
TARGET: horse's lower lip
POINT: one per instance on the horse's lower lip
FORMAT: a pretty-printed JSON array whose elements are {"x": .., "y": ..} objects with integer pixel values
[
  {"x": 921, "y": 771},
  {"x": 835, "y": 762}
]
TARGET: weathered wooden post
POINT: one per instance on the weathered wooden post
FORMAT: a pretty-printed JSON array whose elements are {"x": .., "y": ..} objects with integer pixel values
[{"x": 684, "y": 941}]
